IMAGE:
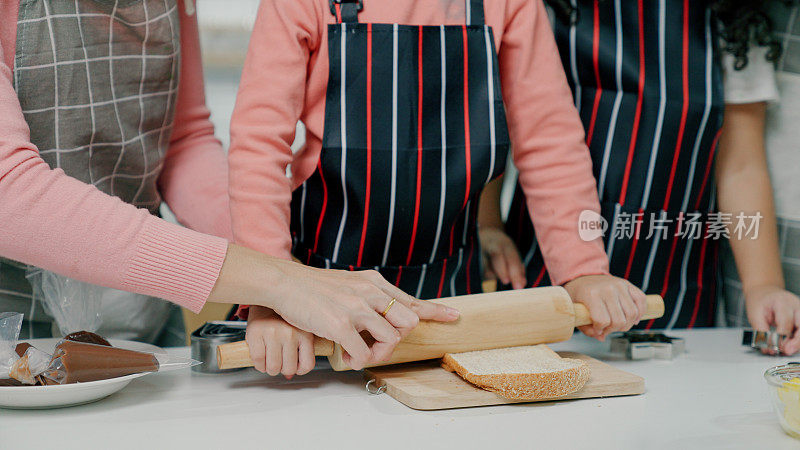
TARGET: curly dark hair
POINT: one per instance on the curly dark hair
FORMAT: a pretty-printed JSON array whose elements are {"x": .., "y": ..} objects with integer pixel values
[{"x": 742, "y": 23}]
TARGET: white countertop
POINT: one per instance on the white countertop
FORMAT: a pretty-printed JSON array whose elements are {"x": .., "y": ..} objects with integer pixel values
[{"x": 712, "y": 397}]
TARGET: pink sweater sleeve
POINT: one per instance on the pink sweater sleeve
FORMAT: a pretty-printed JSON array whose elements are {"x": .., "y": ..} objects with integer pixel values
[
  {"x": 194, "y": 180},
  {"x": 268, "y": 107},
  {"x": 61, "y": 224},
  {"x": 548, "y": 143}
]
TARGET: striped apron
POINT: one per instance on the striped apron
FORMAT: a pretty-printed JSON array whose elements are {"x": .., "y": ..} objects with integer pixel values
[
  {"x": 646, "y": 80},
  {"x": 414, "y": 128},
  {"x": 97, "y": 82}
]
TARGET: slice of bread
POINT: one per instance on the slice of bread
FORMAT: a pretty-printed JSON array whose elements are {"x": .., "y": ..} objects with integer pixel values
[{"x": 532, "y": 372}]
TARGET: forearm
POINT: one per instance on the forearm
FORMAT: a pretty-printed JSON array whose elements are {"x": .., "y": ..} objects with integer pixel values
[
  {"x": 744, "y": 186},
  {"x": 245, "y": 276},
  {"x": 61, "y": 224},
  {"x": 269, "y": 104},
  {"x": 555, "y": 168},
  {"x": 260, "y": 202},
  {"x": 757, "y": 260}
]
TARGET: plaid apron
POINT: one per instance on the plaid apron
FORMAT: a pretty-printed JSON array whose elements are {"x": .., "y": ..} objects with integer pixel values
[{"x": 97, "y": 82}]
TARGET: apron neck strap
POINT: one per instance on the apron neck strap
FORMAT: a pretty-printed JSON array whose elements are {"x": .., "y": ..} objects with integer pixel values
[
  {"x": 346, "y": 11},
  {"x": 474, "y": 12}
]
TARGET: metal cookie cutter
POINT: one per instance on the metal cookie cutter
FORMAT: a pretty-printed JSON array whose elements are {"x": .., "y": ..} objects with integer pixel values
[
  {"x": 207, "y": 338},
  {"x": 647, "y": 345},
  {"x": 763, "y": 340}
]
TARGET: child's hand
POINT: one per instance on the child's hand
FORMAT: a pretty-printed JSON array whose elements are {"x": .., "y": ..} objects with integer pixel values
[
  {"x": 614, "y": 303},
  {"x": 501, "y": 257},
  {"x": 277, "y": 347},
  {"x": 769, "y": 306}
]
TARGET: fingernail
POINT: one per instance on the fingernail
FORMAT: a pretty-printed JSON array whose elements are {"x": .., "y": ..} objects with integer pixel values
[{"x": 452, "y": 312}]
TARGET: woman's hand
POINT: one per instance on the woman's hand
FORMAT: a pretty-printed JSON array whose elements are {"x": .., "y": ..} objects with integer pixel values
[
  {"x": 614, "y": 303},
  {"x": 502, "y": 257},
  {"x": 334, "y": 304},
  {"x": 773, "y": 306},
  {"x": 338, "y": 305},
  {"x": 277, "y": 347}
]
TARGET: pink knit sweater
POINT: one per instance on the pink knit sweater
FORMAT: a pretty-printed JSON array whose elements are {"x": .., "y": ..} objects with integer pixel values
[
  {"x": 284, "y": 81},
  {"x": 61, "y": 224}
]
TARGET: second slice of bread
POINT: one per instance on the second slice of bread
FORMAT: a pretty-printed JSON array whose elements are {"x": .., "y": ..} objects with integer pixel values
[{"x": 531, "y": 372}]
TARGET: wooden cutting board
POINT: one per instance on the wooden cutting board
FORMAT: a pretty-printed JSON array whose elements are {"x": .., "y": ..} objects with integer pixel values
[{"x": 427, "y": 386}]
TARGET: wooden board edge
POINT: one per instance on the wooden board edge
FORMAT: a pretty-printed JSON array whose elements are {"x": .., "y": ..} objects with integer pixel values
[
  {"x": 416, "y": 404},
  {"x": 420, "y": 404}
]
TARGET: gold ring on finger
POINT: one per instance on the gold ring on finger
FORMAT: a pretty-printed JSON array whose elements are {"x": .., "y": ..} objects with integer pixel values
[{"x": 388, "y": 307}]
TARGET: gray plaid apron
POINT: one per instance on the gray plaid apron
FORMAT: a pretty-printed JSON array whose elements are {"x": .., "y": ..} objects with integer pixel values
[{"x": 97, "y": 81}]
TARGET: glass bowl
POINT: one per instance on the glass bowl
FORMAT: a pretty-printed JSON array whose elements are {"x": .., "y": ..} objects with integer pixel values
[{"x": 784, "y": 388}]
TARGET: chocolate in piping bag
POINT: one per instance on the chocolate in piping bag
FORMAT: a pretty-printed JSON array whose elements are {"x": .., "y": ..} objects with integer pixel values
[
  {"x": 87, "y": 337},
  {"x": 79, "y": 362},
  {"x": 32, "y": 361}
]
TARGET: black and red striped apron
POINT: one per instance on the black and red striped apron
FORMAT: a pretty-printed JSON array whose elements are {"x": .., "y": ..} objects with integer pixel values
[
  {"x": 646, "y": 80},
  {"x": 414, "y": 128}
]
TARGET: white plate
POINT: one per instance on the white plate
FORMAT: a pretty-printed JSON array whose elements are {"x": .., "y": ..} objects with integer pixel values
[{"x": 42, "y": 397}]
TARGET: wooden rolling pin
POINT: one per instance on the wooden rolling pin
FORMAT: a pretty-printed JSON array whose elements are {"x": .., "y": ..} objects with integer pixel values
[{"x": 487, "y": 321}]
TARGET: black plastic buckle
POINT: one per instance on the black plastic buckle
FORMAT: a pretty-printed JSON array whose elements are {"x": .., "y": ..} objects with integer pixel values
[{"x": 333, "y": 3}]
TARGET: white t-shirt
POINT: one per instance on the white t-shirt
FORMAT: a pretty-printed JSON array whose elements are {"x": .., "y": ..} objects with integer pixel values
[{"x": 759, "y": 81}]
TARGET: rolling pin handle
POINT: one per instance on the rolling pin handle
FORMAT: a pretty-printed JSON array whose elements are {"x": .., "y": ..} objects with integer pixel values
[
  {"x": 655, "y": 309},
  {"x": 235, "y": 355}
]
